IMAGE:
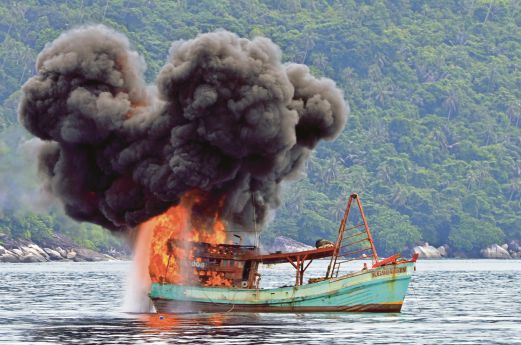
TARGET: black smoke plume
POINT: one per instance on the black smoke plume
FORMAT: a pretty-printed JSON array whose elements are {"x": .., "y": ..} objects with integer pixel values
[{"x": 226, "y": 118}]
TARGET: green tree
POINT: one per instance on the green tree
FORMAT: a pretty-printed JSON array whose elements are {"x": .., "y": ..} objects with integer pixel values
[{"x": 470, "y": 235}]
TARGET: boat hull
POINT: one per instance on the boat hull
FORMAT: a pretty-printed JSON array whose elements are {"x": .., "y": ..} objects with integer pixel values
[
  {"x": 382, "y": 289},
  {"x": 175, "y": 307}
]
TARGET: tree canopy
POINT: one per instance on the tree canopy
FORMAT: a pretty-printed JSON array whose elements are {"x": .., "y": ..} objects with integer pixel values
[{"x": 433, "y": 142}]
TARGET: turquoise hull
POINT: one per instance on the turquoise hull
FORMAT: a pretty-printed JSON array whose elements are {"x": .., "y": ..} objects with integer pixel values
[{"x": 382, "y": 289}]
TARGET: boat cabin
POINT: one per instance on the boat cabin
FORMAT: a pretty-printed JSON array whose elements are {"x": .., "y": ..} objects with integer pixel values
[
  {"x": 215, "y": 265},
  {"x": 232, "y": 265}
]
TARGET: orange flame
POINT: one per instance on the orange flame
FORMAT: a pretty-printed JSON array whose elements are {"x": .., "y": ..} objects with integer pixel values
[
  {"x": 171, "y": 255},
  {"x": 217, "y": 279}
]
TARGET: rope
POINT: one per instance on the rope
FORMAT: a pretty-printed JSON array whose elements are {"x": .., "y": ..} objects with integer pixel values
[{"x": 225, "y": 312}]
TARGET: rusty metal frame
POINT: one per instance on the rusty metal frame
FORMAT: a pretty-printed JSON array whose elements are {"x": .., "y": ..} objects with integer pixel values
[
  {"x": 341, "y": 231},
  {"x": 369, "y": 236},
  {"x": 300, "y": 268}
]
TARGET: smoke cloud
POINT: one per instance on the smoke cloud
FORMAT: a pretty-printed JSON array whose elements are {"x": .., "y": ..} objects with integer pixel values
[{"x": 225, "y": 118}]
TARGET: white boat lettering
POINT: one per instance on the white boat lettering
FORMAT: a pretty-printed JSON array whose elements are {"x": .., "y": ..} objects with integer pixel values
[
  {"x": 200, "y": 265},
  {"x": 389, "y": 271}
]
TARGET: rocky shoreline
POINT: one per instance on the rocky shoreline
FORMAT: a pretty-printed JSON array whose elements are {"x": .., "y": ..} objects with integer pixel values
[
  {"x": 59, "y": 249},
  {"x": 511, "y": 250}
]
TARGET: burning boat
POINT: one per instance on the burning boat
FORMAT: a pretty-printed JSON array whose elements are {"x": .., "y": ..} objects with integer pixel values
[
  {"x": 204, "y": 275},
  {"x": 207, "y": 147}
]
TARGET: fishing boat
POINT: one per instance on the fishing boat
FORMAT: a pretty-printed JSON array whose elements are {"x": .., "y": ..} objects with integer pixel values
[{"x": 225, "y": 278}]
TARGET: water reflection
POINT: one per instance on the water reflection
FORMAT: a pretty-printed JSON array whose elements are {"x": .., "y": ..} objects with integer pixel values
[{"x": 168, "y": 328}]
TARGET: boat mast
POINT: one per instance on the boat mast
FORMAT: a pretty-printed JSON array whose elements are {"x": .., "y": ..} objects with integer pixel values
[
  {"x": 256, "y": 243},
  {"x": 369, "y": 236},
  {"x": 365, "y": 236}
]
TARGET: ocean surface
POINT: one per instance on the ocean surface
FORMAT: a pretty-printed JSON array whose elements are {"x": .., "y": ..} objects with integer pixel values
[{"x": 449, "y": 302}]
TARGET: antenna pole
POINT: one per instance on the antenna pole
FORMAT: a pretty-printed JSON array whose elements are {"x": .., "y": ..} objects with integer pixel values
[{"x": 254, "y": 222}]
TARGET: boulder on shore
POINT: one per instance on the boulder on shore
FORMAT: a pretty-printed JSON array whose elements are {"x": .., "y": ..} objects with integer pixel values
[
  {"x": 31, "y": 257},
  {"x": 287, "y": 245},
  {"x": 495, "y": 251},
  {"x": 427, "y": 251},
  {"x": 37, "y": 249},
  {"x": 53, "y": 254},
  {"x": 88, "y": 255},
  {"x": 26, "y": 251},
  {"x": 31, "y": 250},
  {"x": 62, "y": 252},
  {"x": 8, "y": 256},
  {"x": 444, "y": 252}
]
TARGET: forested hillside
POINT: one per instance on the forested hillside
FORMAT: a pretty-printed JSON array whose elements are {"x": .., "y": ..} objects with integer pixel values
[{"x": 433, "y": 142}]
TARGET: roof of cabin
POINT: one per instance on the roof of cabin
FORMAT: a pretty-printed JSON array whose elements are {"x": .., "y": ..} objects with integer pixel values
[{"x": 275, "y": 258}]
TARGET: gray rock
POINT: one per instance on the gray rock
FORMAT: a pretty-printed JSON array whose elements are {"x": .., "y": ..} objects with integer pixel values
[
  {"x": 39, "y": 250},
  {"x": 427, "y": 251},
  {"x": 53, "y": 254},
  {"x": 62, "y": 252},
  {"x": 89, "y": 255},
  {"x": 9, "y": 257},
  {"x": 10, "y": 252},
  {"x": 495, "y": 251},
  {"x": 30, "y": 258},
  {"x": 504, "y": 246},
  {"x": 443, "y": 251},
  {"x": 288, "y": 245},
  {"x": 30, "y": 251},
  {"x": 109, "y": 258}
]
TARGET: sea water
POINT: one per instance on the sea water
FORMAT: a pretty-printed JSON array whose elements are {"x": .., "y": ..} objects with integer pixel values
[{"x": 448, "y": 302}]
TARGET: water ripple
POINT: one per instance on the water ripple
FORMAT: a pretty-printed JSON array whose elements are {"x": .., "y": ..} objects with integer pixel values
[{"x": 449, "y": 302}]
